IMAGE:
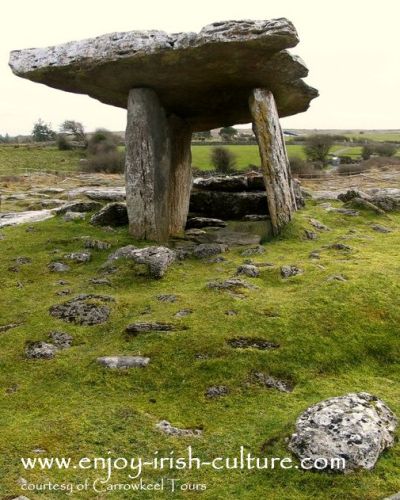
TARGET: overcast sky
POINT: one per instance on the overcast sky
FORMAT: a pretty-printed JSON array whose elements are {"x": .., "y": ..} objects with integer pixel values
[{"x": 350, "y": 46}]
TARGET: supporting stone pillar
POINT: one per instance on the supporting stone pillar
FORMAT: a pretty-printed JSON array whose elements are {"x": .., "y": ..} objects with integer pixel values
[
  {"x": 157, "y": 168},
  {"x": 274, "y": 160}
]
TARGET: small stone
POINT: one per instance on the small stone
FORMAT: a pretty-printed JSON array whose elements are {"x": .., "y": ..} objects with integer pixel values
[
  {"x": 100, "y": 281},
  {"x": 205, "y": 250},
  {"x": 380, "y": 229},
  {"x": 97, "y": 244},
  {"x": 5, "y": 328},
  {"x": 255, "y": 217},
  {"x": 314, "y": 255},
  {"x": 272, "y": 382},
  {"x": 216, "y": 260},
  {"x": 201, "y": 356},
  {"x": 288, "y": 271},
  {"x": 136, "y": 328},
  {"x": 167, "y": 298},
  {"x": 340, "y": 246},
  {"x": 195, "y": 232},
  {"x": 318, "y": 225},
  {"x": 183, "y": 313},
  {"x": 217, "y": 391},
  {"x": 258, "y": 250},
  {"x": 346, "y": 211},
  {"x": 248, "y": 270},
  {"x": 231, "y": 312},
  {"x": 337, "y": 277},
  {"x": 61, "y": 340},
  {"x": 58, "y": 267},
  {"x": 61, "y": 283},
  {"x": 12, "y": 389},
  {"x": 165, "y": 427},
  {"x": 23, "y": 260},
  {"x": 63, "y": 293},
  {"x": 123, "y": 361},
  {"x": 72, "y": 216},
  {"x": 40, "y": 350},
  {"x": 113, "y": 214},
  {"x": 229, "y": 284},
  {"x": 251, "y": 343},
  {"x": 79, "y": 257},
  {"x": 310, "y": 235}
]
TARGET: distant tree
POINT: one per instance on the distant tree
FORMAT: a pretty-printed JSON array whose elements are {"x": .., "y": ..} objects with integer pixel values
[
  {"x": 76, "y": 130},
  {"x": 228, "y": 133},
  {"x": 367, "y": 151},
  {"x": 63, "y": 144},
  {"x": 223, "y": 160},
  {"x": 316, "y": 147},
  {"x": 202, "y": 136},
  {"x": 103, "y": 154},
  {"x": 5, "y": 139},
  {"x": 42, "y": 131},
  {"x": 102, "y": 141},
  {"x": 385, "y": 149}
]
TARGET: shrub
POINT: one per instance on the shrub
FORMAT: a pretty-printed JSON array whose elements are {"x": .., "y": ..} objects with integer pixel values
[
  {"x": 385, "y": 149},
  {"x": 317, "y": 147},
  {"x": 302, "y": 168},
  {"x": 349, "y": 169},
  {"x": 223, "y": 160},
  {"x": 102, "y": 141},
  {"x": 367, "y": 151},
  {"x": 63, "y": 143},
  {"x": 111, "y": 162}
]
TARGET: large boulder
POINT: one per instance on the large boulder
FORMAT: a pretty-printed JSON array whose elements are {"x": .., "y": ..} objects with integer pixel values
[
  {"x": 228, "y": 205},
  {"x": 355, "y": 427}
]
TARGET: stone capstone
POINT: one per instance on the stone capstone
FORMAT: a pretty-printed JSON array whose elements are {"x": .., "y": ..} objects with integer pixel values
[{"x": 206, "y": 77}]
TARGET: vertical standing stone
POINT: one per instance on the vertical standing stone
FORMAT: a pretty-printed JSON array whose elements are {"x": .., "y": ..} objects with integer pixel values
[
  {"x": 274, "y": 160},
  {"x": 157, "y": 168},
  {"x": 180, "y": 174},
  {"x": 147, "y": 166}
]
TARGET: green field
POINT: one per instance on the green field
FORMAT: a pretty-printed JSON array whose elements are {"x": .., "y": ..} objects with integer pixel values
[{"x": 335, "y": 337}]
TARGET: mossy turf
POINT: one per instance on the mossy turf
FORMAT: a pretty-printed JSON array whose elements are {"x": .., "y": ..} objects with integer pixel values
[{"x": 335, "y": 337}]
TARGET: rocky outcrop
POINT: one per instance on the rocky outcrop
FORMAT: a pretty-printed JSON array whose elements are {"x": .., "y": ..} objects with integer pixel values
[
  {"x": 355, "y": 427},
  {"x": 157, "y": 259}
]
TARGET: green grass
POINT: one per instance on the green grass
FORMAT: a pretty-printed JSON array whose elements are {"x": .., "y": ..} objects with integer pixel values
[
  {"x": 335, "y": 338},
  {"x": 377, "y": 136}
]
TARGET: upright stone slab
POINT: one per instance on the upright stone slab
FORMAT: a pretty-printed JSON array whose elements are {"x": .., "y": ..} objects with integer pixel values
[
  {"x": 157, "y": 168},
  {"x": 274, "y": 160}
]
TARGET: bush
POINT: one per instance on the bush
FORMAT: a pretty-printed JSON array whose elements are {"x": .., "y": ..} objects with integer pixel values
[
  {"x": 223, "y": 160},
  {"x": 302, "y": 168},
  {"x": 317, "y": 147},
  {"x": 385, "y": 149},
  {"x": 350, "y": 169},
  {"x": 111, "y": 162},
  {"x": 63, "y": 143},
  {"x": 102, "y": 141}
]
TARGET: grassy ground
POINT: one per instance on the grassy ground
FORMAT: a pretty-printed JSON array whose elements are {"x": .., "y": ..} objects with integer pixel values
[{"x": 335, "y": 337}]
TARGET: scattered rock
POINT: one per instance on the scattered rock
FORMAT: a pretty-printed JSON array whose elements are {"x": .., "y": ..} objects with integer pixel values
[
  {"x": 195, "y": 233},
  {"x": 229, "y": 284},
  {"x": 272, "y": 382},
  {"x": 136, "y": 328},
  {"x": 346, "y": 211},
  {"x": 113, "y": 214},
  {"x": 310, "y": 235},
  {"x": 258, "y": 250},
  {"x": 216, "y": 391},
  {"x": 40, "y": 350},
  {"x": 205, "y": 250},
  {"x": 5, "y": 328},
  {"x": 100, "y": 281},
  {"x": 288, "y": 271},
  {"x": 201, "y": 356},
  {"x": 23, "y": 260},
  {"x": 97, "y": 244},
  {"x": 351, "y": 194},
  {"x": 83, "y": 310},
  {"x": 58, "y": 267},
  {"x": 62, "y": 293},
  {"x": 123, "y": 361},
  {"x": 183, "y": 313},
  {"x": 314, "y": 255},
  {"x": 357, "y": 427},
  {"x": 157, "y": 259},
  {"x": 318, "y": 225},
  {"x": 12, "y": 389},
  {"x": 61, "y": 340},
  {"x": 340, "y": 246},
  {"x": 386, "y": 202},
  {"x": 71, "y": 216},
  {"x": 380, "y": 229},
  {"x": 216, "y": 260},
  {"x": 108, "y": 194},
  {"x": 248, "y": 270},
  {"x": 80, "y": 257},
  {"x": 337, "y": 277},
  {"x": 251, "y": 343},
  {"x": 61, "y": 283},
  {"x": 167, "y": 298},
  {"x": 167, "y": 428},
  {"x": 231, "y": 312},
  {"x": 200, "y": 222}
]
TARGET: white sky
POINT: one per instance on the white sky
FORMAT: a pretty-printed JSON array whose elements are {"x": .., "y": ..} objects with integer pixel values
[{"x": 350, "y": 46}]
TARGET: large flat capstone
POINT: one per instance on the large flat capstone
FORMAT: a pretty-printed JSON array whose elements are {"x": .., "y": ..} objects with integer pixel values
[{"x": 205, "y": 78}]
